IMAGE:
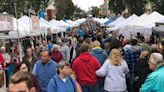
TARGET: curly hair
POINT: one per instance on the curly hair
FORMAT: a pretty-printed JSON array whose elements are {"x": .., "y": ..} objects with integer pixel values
[{"x": 116, "y": 57}]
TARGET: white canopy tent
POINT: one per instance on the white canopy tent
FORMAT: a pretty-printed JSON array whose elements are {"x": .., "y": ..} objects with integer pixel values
[
  {"x": 27, "y": 21},
  {"x": 143, "y": 24},
  {"x": 129, "y": 19},
  {"x": 73, "y": 23},
  {"x": 101, "y": 20},
  {"x": 22, "y": 30},
  {"x": 19, "y": 32},
  {"x": 117, "y": 21},
  {"x": 125, "y": 29},
  {"x": 56, "y": 27},
  {"x": 65, "y": 24},
  {"x": 79, "y": 21},
  {"x": 146, "y": 26},
  {"x": 57, "y": 24},
  {"x": 44, "y": 25}
]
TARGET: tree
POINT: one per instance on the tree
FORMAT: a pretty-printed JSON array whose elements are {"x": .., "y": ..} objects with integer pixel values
[
  {"x": 65, "y": 9},
  {"x": 22, "y": 6},
  {"x": 95, "y": 11},
  {"x": 133, "y": 6},
  {"x": 158, "y": 5},
  {"x": 116, "y": 6},
  {"x": 79, "y": 13}
]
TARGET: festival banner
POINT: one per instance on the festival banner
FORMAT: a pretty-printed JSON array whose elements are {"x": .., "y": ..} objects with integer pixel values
[
  {"x": 6, "y": 22},
  {"x": 35, "y": 23}
]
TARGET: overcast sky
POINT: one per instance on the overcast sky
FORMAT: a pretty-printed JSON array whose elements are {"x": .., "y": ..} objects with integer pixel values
[{"x": 85, "y": 4}]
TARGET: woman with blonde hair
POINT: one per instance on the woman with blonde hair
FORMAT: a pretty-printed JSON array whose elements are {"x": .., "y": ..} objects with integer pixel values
[
  {"x": 115, "y": 57},
  {"x": 114, "y": 70}
]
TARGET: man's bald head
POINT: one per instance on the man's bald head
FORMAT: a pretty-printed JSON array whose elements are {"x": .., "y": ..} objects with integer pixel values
[
  {"x": 45, "y": 52},
  {"x": 45, "y": 57}
]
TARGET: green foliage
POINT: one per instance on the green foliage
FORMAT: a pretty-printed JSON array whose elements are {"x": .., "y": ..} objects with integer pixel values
[
  {"x": 116, "y": 6},
  {"x": 158, "y": 5},
  {"x": 65, "y": 9},
  {"x": 78, "y": 13},
  {"x": 22, "y": 6},
  {"x": 95, "y": 11},
  {"x": 134, "y": 6}
]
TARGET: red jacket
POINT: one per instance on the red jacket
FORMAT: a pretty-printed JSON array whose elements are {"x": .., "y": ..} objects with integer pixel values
[
  {"x": 2, "y": 61},
  {"x": 85, "y": 67},
  {"x": 56, "y": 56}
]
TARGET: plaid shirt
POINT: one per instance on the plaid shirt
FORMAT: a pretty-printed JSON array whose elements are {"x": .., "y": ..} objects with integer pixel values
[{"x": 131, "y": 56}]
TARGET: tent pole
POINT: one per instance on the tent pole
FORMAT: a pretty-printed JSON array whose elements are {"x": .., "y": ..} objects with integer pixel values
[{"x": 19, "y": 44}]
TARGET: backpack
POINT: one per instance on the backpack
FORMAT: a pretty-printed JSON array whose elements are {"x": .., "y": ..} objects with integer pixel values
[{"x": 73, "y": 83}]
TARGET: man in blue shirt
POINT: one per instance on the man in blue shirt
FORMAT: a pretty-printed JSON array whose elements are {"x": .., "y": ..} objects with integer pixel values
[
  {"x": 80, "y": 32},
  {"x": 44, "y": 70}
]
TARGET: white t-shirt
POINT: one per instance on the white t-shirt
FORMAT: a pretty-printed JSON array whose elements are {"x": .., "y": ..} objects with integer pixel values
[{"x": 64, "y": 80}]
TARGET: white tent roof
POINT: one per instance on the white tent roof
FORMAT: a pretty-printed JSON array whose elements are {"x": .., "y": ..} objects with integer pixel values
[
  {"x": 55, "y": 29},
  {"x": 79, "y": 21},
  {"x": 25, "y": 20},
  {"x": 73, "y": 23},
  {"x": 129, "y": 19},
  {"x": 150, "y": 20},
  {"x": 57, "y": 24},
  {"x": 143, "y": 24},
  {"x": 128, "y": 28},
  {"x": 22, "y": 29},
  {"x": 44, "y": 23},
  {"x": 28, "y": 22},
  {"x": 101, "y": 20},
  {"x": 117, "y": 21},
  {"x": 64, "y": 23},
  {"x": 138, "y": 20}
]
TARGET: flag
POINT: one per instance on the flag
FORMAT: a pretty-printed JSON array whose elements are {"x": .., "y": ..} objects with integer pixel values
[{"x": 35, "y": 23}]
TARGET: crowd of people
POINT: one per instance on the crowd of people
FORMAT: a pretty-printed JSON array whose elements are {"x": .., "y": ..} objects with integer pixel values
[{"x": 88, "y": 59}]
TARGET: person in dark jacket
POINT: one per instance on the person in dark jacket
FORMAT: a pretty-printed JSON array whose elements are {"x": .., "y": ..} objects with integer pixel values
[
  {"x": 131, "y": 56},
  {"x": 29, "y": 58},
  {"x": 25, "y": 68},
  {"x": 56, "y": 55},
  {"x": 142, "y": 68}
]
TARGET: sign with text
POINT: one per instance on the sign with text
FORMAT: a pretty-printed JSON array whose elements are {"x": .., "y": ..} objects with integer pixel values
[
  {"x": 35, "y": 23},
  {"x": 6, "y": 22}
]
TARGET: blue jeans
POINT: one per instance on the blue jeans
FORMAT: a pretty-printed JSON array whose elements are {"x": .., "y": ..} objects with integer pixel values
[{"x": 90, "y": 88}]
